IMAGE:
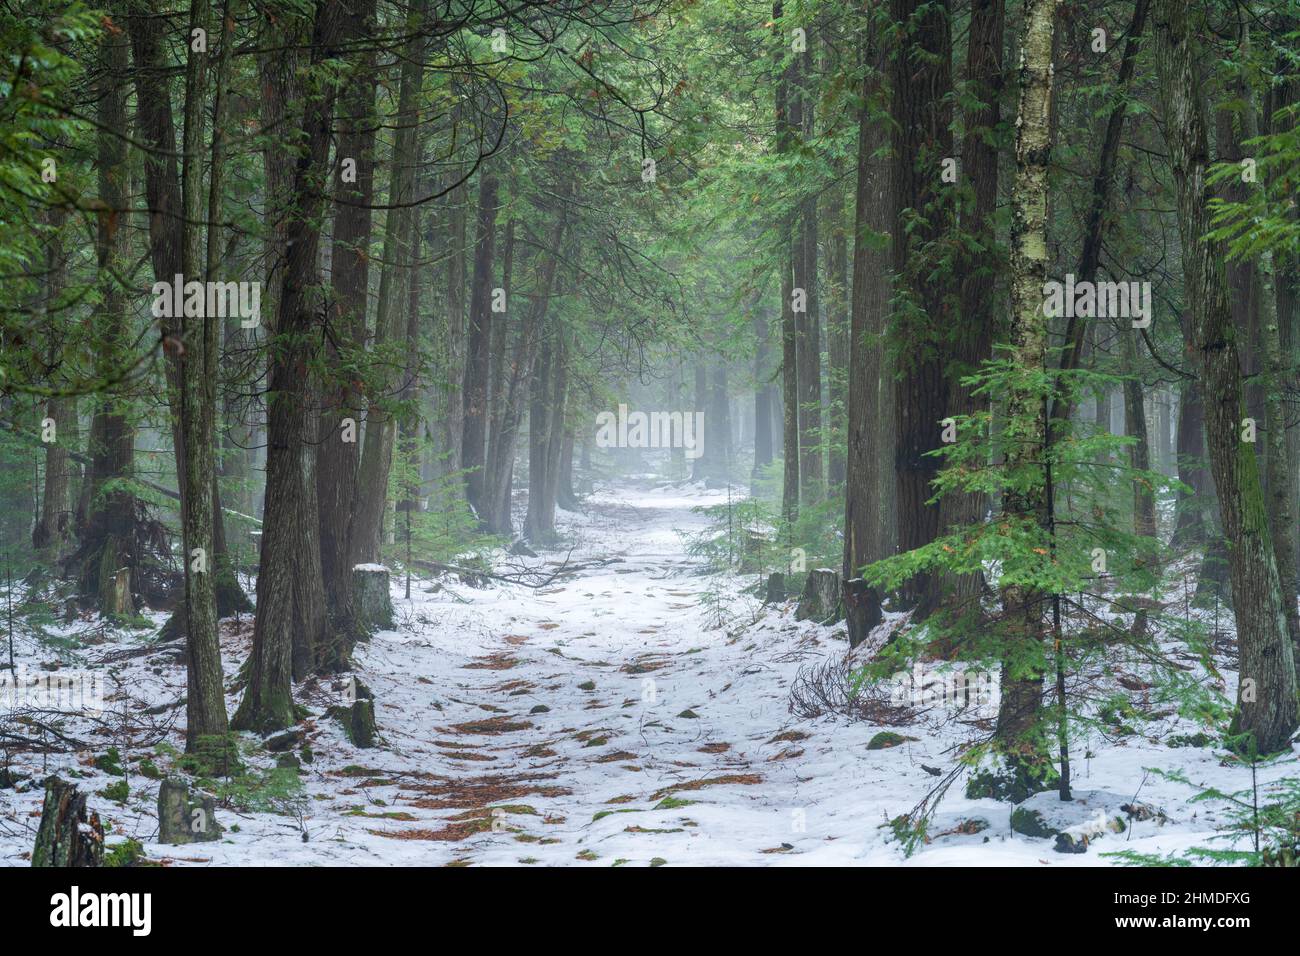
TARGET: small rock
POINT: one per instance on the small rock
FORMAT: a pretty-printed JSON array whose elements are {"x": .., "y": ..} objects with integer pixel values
[{"x": 286, "y": 740}]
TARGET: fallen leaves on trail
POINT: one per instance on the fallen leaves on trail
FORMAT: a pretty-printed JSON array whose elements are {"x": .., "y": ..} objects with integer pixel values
[
  {"x": 790, "y": 736},
  {"x": 645, "y": 665},
  {"x": 788, "y": 753},
  {"x": 747, "y": 779},
  {"x": 507, "y": 687},
  {"x": 453, "y": 831},
  {"x": 615, "y": 757},
  {"x": 493, "y": 662},
  {"x": 491, "y": 725},
  {"x": 478, "y": 792}
]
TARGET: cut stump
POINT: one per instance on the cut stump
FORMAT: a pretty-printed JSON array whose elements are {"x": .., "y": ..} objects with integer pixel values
[
  {"x": 820, "y": 600},
  {"x": 371, "y": 598},
  {"x": 184, "y": 817},
  {"x": 358, "y": 718},
  {"x": 69, "y": 834}
]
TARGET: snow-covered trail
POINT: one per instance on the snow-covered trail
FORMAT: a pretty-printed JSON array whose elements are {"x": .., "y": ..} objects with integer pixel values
[
  {"x": 605, "y": 720},
  {"x": 599, "y": 719}
]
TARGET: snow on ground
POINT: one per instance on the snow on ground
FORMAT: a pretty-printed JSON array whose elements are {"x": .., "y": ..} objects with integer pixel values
[{"x": 603, "y": 720}]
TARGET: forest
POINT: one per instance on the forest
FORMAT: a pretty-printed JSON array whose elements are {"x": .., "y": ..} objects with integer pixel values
[{"x": 649, "y": 433}]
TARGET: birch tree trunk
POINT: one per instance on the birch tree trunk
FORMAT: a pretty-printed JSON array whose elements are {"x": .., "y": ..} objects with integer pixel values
[{"x": 1026, "y": 414}]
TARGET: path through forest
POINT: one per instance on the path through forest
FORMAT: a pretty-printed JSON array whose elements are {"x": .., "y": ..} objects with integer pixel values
[{"x": 605, "y": 719}]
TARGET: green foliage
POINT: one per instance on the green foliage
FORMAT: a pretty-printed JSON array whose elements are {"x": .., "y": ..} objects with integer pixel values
[
  {"x": 244, "y": 787},
  {"x": 117, "y": 792},
  {"x": 443, "y": 531},
  {"x": 1087, "y": 558},
  {"x": 1263, "y": 827},
  {"x": 125, "y": 853},
  {"x": 911, "y": 833},
  {"x": 110, "y": 762}
]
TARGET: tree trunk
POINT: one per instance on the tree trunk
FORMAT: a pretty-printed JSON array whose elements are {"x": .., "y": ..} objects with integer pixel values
[
  {"x": 205, "y": 709},
  {"x": 53, "y": 528},
  {"x": 519, "y": 374},
  {"x": 167, "y": 231},
  {"x": 1193, "y": 509},
  {"x": 700, "y": 466},
  {"x": 1094, "y": 228},
  {"x": 1267, "y": 689},
  {"x": 69, "y": 835},
  {"x": 284, "y": 598},
  {"x": 339, "y": 426},
  {"x": 1286, "y": 288},
  {"x": 477, "y": 358},
  {"x": 1026, "y": 425},
  {"x": 108, "y": 539},
  {"x": 1247, "y": 280},
  {"x": 1135, "y": 427},
  {"x": 807, "y": 319},
  {"x": 785, "y": 130},
  {"x": 973, "y": 343},
  {"x": 565, "y": 497},
  {"x": 921, "y": 80},
  {"x": 762, "y": 397},
  {"x": 837, "y": 338},
  {"x": 540, "y": 415},
  {"x": 869, "y": 526},
  {"x": 497, "y": 362},
  {"x": 381, "y": 426},
  {"x": 717, "y": 426}
]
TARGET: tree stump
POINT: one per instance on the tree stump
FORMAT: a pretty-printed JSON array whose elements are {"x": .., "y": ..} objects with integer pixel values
[
  {"x": 118, "y": 602},
  {"x": 69, "y": 834},
  {"x": 775, "y": 588},
  {"x": 184, "y": 817},
  {"x": 754, "y": 547},
  {"x": 358, "y": 718},
  {"x": 370, "y": 596},
  {"x": 820, "y": 600}
]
